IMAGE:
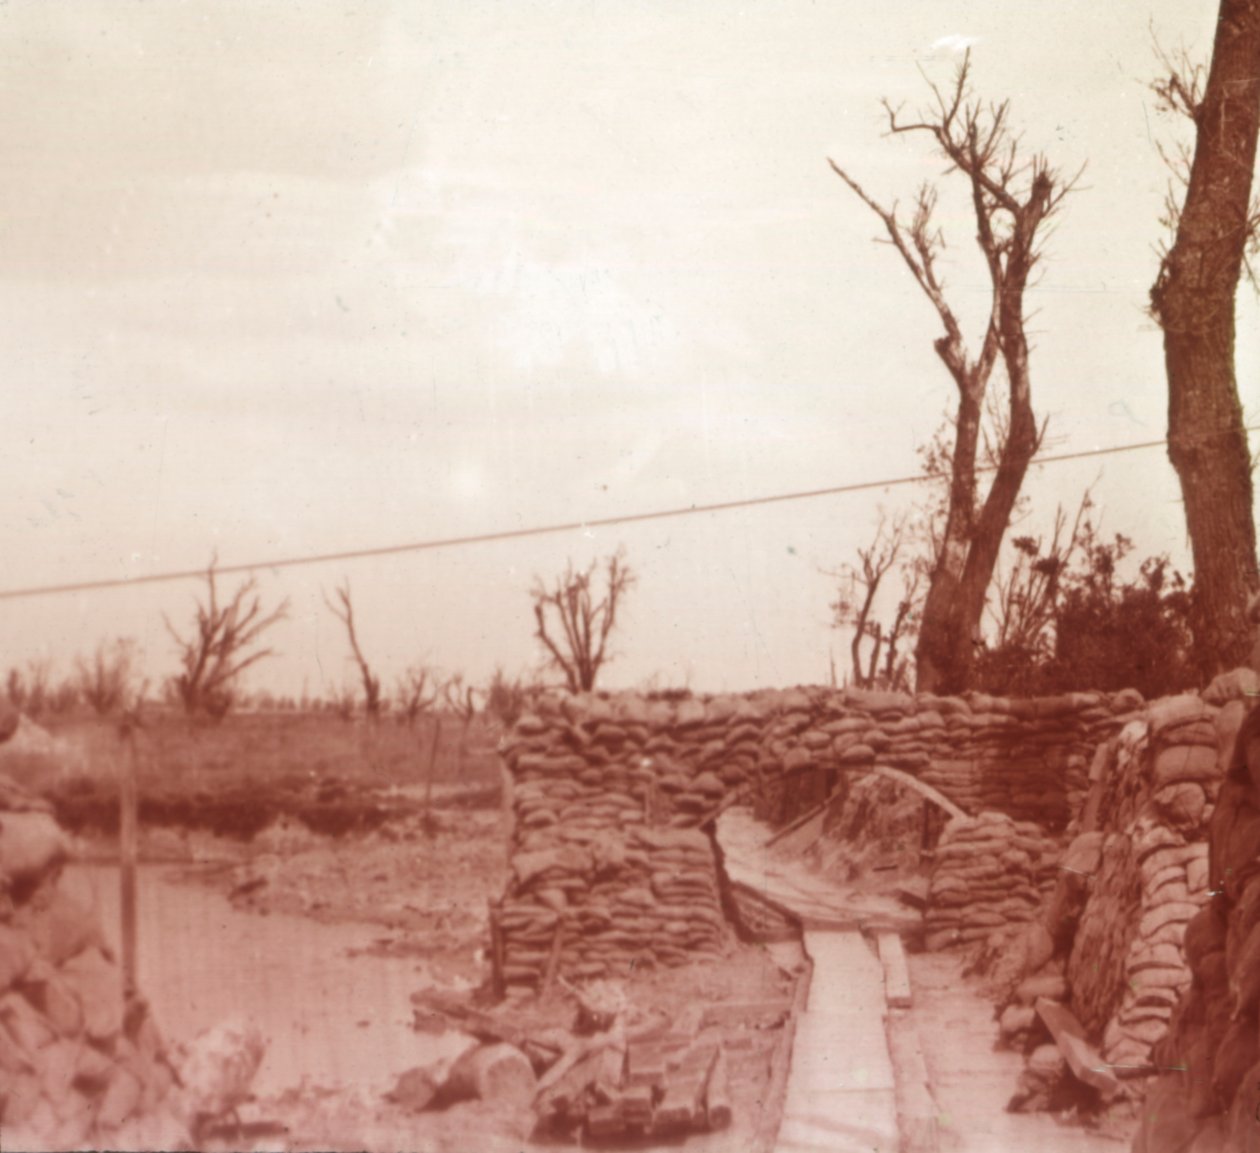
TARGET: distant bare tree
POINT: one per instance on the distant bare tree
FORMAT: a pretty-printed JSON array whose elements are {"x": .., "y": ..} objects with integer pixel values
[
  {"x": 415, "y": 694},
  {"x": 855, "y": 606},
  {"x": 461, "y": 699},
  {"x": 219, "y": 647},
  {"x": 106, "y": 682},
  {"x": 1013, "y": 199},
  {"x": 372, "y": 699},
  {"x": 30, "y": 690},
  {"x": 583, "y": 618}
]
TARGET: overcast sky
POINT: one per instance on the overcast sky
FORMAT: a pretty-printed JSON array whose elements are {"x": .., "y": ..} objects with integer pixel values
[{"x": 283, "y": 278}]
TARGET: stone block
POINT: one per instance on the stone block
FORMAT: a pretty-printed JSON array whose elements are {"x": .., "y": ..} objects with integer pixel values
[
  {"x": 31, "y": 844},
  {"x": 99, "y": 986},
  {"x": 60, "y": 925},
  {"x": 16, "y": 955},
  {"x": 120, "y": 1099}
]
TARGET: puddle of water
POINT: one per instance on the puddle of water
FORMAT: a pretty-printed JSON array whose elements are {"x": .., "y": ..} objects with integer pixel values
[{"x": 331, "y": 1018}]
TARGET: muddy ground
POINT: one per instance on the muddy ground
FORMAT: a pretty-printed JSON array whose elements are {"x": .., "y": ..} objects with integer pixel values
[
  {"x": 359, "y": 846},
  {"x": 420, "y": 884}
]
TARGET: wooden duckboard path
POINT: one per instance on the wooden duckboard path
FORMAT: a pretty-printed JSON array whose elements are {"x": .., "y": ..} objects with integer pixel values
[{"x": 841, "y": 1090}]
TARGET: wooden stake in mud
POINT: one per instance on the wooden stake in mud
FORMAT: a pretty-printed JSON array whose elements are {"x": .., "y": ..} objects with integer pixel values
[{"x": 128, "y": 836}]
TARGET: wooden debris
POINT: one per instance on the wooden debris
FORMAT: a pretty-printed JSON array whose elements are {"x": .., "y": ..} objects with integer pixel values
[
  {"x": 913, "y": 892},
  {"x": 435, "y": 1011},
  {"x": 491, "y": 1073},
  {"x": 717, "y": 1095},
  {"x": 807, "y": 816},
  {"x": 896, "y": 973},
  {"x": 604, "y": 1122},
  {"x": 926, "y": 791},
  {"x": 1082, "y": 1058},
  {"x": 749, "y": 1014},
  {"x": 645, "y": 1064}
]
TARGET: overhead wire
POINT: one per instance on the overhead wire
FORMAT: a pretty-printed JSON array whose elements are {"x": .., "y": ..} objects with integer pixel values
[{"x": 275, "y": 563}]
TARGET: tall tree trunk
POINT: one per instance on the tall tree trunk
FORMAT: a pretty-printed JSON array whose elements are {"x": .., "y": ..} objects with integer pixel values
[
  {"x": 1193, "y": 300},
  {"x": 944, "y": 632}
]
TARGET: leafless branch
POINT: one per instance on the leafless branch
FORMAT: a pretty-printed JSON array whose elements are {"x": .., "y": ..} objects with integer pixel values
[
  {"x": 585, "y": 620},
  {"x": 344, "y": 612},
  {"x": 214, "y": 655}
]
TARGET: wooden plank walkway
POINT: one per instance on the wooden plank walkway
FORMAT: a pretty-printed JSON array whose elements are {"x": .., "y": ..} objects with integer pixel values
[{"x": 841, "y": 1093}]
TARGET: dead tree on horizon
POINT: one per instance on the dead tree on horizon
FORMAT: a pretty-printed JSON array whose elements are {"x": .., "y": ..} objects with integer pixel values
[
  {"x": 1213, "y": 230},
  {"x": 855, "y": 604},
  {"x": 585, "y": 622},
  {"x": 372, "y": 701},
  {"x": 412, "y": 699},
  {"x": 215, "y": 655},
  {"x": 1012, "y": 199}
]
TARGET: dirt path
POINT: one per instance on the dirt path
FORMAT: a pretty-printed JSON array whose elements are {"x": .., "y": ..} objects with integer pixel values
[
  {"x": 951, "y": 1024},
  {"x": 972, "y": 1081}
]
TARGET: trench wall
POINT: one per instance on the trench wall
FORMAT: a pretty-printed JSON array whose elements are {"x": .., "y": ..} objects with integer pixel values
[
  {"x": 1208, "y": 1057},
  {"x": 610, "y": 866}
]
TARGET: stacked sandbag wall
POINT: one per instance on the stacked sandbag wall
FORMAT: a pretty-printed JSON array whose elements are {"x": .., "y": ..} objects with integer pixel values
[
  {"x": 1026, "y": 758},
  {"x": 79, "y": 1067},
  {"x": 1208, "y": 1093},
  {"x": 1145, "y": 850},
  {"x": 608, "y": 872},
  {"x": 596, "y": 780},
  {"x": 988, "y": 873}
]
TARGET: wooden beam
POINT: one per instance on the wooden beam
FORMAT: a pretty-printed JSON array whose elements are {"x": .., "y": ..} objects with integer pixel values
[
  {"x": 896, "y": 974},
  {"x": 805, "y": 817},
  {"x": 1082, "y": 1058},
  {"x": 926, "y": 791}
]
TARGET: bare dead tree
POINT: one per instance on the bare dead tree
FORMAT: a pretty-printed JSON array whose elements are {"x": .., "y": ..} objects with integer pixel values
[
  {"x": 107, "y": 681},
  {"x": 585, "y": 619},
  {"x": 1025, "y": 597},
  {"x": 1013, "y": 198},
  {"x": 415, "y": 694},
  {"x": 344, "y": 612},
  {"x": 1214, "y": 229},
  {"x": 217, "y": 651},
  {"x": 855, "y": 605}
]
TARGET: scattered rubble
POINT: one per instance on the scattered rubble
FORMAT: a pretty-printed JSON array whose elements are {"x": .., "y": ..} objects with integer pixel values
[
  {"x": 82, "y": 1063},
  {"x": 613, "y": 1072}
]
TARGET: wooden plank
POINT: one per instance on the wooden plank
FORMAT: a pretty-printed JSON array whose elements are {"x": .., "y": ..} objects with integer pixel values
[
  {"x": 913, "y": 891},
  {"x": 1082, "y": 1058},
  {"x": 916, "y": 1106},
  {"x": 896, "y": 973},
  {"x": 717, "y": 1096}
]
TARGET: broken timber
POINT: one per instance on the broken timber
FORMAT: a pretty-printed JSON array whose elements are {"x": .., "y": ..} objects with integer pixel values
[
  {"x": 1082, "y": 1058},
  {"x": 926, "y": 791},
  {"x": 889, "y": 774}
]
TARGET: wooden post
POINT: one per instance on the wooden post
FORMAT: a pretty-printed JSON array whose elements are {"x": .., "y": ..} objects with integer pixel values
[
  {"x": 553, "y": 960},
  {"x": 128, "y": 836},
  {"x": 496, "y": 953}
]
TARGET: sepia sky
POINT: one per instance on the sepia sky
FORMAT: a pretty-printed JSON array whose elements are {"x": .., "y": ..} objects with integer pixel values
[{"x": 300, "y": 277}]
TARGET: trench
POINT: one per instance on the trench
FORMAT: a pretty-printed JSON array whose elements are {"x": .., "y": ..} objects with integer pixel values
[{"x": 333, "y": 1019}]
